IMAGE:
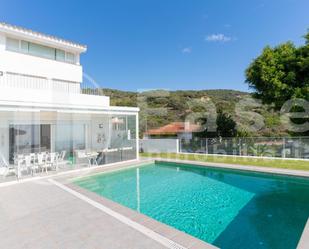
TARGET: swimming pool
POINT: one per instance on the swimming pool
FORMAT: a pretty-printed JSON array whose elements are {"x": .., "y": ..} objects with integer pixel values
[{"x": 227, "y": 208}]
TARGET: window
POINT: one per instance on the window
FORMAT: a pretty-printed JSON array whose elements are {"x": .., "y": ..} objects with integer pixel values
[
  {"x": 39, "y": 50},
  {"x": 118, "y": 124},
  {"x": 12, "y": 44},
  {"x": 60, "y": 55},
  {"x": 70, "y": 57},
  {"x": 70, "y": 137},
  {"x": 24, "y": 46}
]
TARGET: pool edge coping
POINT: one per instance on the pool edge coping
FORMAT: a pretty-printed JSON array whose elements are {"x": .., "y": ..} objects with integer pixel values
[
  {"x": 250, "y": 168},
  {"x": 170, "y": 233},
  {"x": 304, "y": 239}
]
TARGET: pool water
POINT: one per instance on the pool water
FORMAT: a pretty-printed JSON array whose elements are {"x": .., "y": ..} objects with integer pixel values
[{"x": 227, "y": 208}]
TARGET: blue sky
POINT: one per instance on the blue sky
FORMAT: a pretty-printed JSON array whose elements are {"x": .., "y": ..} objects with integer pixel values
[{"x": 169, "y": 44}]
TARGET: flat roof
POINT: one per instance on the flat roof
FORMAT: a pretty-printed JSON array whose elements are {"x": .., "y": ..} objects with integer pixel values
[{"x": 44, "y": 38}]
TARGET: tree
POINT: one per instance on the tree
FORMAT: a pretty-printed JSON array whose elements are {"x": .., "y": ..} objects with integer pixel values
[
  {"x": 280, "y": 73},
  {"x": 226, "y": 126}
]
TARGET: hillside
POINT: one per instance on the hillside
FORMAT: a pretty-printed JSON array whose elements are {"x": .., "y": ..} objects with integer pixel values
[{"x": 162, "y": 107}]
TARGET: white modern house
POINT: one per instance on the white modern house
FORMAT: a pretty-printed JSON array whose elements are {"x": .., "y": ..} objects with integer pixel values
[{"x": 44, "y": 107}]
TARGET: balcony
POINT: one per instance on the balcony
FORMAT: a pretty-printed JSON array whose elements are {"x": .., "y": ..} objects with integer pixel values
[
  {"x": 27, "y": 90},
  {"x": 20, "y": 81},
  {"x": 91, "y": 89}
]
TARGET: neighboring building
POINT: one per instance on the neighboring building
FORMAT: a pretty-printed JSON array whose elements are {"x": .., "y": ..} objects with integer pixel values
[
  {"x": 43, "y": 106},
  {"x": 179, "y": 130}
]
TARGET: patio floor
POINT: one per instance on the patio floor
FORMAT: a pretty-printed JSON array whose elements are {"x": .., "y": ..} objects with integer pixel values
[
  {"x": 63, "y": 168},
  {"x": 40, "y": 215},
  {"x": 53, "y": 213}
]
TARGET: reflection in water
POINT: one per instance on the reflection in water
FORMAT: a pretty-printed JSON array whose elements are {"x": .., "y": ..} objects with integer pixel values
[{"x": 138, "y": 198}]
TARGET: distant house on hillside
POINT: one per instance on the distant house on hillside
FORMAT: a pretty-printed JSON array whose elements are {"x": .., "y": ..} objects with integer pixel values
[{"x": 180, "y": 130}]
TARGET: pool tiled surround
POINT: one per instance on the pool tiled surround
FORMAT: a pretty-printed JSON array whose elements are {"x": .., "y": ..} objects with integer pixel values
[
  {"x": 181, "y": 238},
  {"x": 175, "y": 235}
]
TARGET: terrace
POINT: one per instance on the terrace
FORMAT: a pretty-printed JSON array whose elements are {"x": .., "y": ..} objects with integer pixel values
[{"x": 43, "y": 204}]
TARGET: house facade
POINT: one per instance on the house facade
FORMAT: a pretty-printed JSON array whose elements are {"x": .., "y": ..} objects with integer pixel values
[{"x": 45, "y": 108}]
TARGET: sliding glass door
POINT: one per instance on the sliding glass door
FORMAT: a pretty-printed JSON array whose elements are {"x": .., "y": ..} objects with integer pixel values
[{"x": 70, "y": 137}]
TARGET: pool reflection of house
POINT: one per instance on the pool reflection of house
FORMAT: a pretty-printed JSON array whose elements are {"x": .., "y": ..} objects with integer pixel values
[{"x": 44, "y": 105}]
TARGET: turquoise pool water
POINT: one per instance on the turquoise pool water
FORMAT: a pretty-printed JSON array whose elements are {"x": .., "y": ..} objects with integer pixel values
[{"x": 228, "y": 208}]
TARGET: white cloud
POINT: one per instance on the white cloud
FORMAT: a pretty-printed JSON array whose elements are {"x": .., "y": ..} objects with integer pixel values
[
  {"x": 187, "y": 50},
  {"x": 218, "y": 38}
]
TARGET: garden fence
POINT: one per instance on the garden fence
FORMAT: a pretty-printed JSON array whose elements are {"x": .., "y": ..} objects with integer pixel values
[{"x": 286, "y": 147}]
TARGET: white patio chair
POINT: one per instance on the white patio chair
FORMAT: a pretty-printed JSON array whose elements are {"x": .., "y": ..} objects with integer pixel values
[
  {"x": 18, "y": 157},
  {"x": 5, "y": 168},
  {"x": 51, "y": 161},
  {"x": 21, "y": 166},
  {"x": 61, "y": 159},
  {"x": 55, "y": 162},
  {"x": 33, "y": 157},
  {"x": 30, "y": 164},
  {"x": 40, "y": 163},
  {"x": 81, "y": 156},
  {"x": 92, "y": 158}
]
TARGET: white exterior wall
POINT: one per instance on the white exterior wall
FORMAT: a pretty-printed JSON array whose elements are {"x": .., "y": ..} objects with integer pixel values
[
  {"x": 32, "y": 65},
  {"x": 37, "y": 80}
]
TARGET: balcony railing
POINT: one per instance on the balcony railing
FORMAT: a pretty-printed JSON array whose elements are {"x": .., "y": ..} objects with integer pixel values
[
  {"x": 21, "y": 81},
  {"x": 91, "y": 90}
]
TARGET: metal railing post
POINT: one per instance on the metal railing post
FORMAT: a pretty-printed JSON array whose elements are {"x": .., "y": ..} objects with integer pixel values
[
  {"x": 283, "y": 148},
  {"x": 239, "y": 141}
]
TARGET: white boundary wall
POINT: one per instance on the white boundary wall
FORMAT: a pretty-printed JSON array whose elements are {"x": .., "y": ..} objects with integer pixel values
[{"x": 159, "y": 145}]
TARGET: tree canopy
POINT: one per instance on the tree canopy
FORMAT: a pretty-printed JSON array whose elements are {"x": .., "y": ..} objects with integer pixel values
[{"x": 280, "y": 73}]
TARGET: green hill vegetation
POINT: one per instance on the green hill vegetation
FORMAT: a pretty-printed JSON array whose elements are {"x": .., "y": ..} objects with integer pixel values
[{"x": 160, "y": 107}]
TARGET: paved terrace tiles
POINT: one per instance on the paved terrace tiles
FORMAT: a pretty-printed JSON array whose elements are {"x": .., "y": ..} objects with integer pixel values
[{"x": 41, "y": 215}]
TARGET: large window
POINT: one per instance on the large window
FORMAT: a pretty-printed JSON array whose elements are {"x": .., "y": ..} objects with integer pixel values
[
  {"x": 41, "y": 51},
  {"x": 12, "y": 44},
  {"x": 70, "y": 57},
  {"x": 70, "y": 137},
  {"x": 60, "y": 55},
  {"x": 35, "y": 49}
]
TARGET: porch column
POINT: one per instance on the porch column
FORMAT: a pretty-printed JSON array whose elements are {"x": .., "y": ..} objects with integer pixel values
[{"x": 137, "y": 136}]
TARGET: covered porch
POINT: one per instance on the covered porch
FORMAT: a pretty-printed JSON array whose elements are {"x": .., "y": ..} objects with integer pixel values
[{"x": 40, "y": 140}]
